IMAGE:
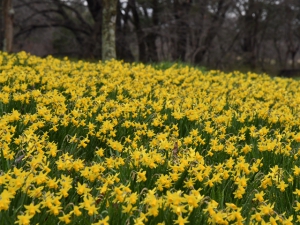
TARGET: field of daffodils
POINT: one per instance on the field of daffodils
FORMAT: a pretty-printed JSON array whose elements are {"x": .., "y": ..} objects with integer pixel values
[{"x": 117, "y": 143}]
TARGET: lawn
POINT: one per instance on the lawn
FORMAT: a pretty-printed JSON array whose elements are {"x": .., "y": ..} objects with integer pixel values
[{"x": 119, "y": 143}]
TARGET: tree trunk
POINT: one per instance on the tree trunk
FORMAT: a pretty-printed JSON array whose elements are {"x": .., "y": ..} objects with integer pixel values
[
  {"x": 1, "y": 27},
  {"x": 122, "y": 45},
  {"x": 146, "y": 40},
  {"x": 109, "y": 29},
  {"x": 217, "y": 21},
  {"x": 152, "y": 36},
  {"x": 139, "y": 32},
  {"x": 151, "y": 46},
  {"x": 94, "y": 47},
  {"x": 8, "y": 15},
  {"x": 249, "y": 41},
  {"x": 181, "y": 11}
]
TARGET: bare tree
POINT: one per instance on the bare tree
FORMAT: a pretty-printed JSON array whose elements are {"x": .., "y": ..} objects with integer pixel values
[
  {"x": 181, "y": 15},
  {"x": 292, "y": 33},
  {"x": 96, "y": 10},
  {"x": 212, "y": 16},
  {"x": 153, "y": 33},
  {"x": 249, "y": 22},
  {"x": 58, "y": 16},
  {"x": 123, "y": 31},
  {"x": 8, "y": 16},
  {"x": 253, "y": 34},
  {"x": 109, "y": 29},
  {"x": 85, "y": 24},
  {"x": 1, "y": 26}
]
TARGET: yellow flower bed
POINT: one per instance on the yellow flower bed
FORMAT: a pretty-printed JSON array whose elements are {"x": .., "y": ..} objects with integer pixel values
[{"x": 118, "y": 143}]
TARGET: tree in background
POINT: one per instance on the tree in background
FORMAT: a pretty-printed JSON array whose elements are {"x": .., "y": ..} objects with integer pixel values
[
  {"x": 146, "y": 26},
  {"x": 65, "y": 27},
  {"x": 1, "y": 26},
  {"x": 95, "y": 8},
  {"x": 213, "y": 15},
  {"x": 226, "y": 34},
  {"x": 181, "y": 16},
  {"x": 292, "y": 31},
  {"x": 123, "y": 32},
  {"x": 8, "y": 16},
  {"x": 250, "y": 23},
  {"x": 109, "y": 29}
]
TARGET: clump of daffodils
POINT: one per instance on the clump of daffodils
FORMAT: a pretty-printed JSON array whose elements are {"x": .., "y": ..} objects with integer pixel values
[{"x": 115, "y": 143}]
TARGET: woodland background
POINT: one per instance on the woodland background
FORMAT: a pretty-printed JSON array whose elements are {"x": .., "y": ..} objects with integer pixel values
[{"x": 257, "y": 35}]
